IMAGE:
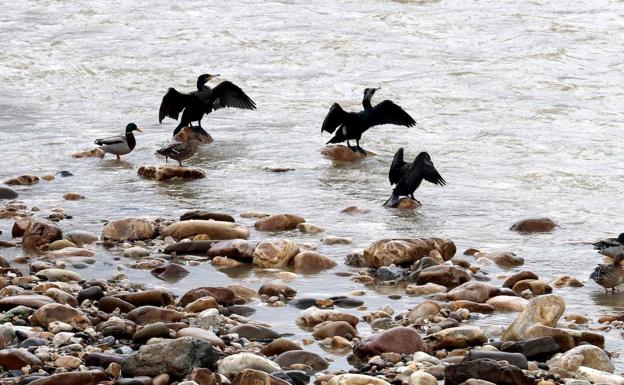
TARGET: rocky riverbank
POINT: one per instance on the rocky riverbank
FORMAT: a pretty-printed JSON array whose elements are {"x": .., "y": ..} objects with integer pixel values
[{"x": 58, "y": 328}]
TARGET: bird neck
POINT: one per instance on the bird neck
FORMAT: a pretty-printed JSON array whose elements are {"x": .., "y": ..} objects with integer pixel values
[
  {"x": 366, "y": 102},
  {"x": 130, "y": 140},
  {"x": 200, "y": 84}
]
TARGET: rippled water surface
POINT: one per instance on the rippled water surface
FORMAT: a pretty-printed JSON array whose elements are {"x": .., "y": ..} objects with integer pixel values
[{"x": 519, "y": 103}]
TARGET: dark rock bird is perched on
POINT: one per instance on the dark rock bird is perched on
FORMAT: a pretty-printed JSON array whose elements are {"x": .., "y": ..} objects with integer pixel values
[
  {"x": 179, "y": 151},
  {"x": 610, "y": 276},
  {"x": 121, "y": 144},
  {"x": 408, "y": 176},
  {"x": 203, "y": 101},
  {"x": 351, "y": 125}
]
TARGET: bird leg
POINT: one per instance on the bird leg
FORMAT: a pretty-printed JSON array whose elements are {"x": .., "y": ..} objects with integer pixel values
[
  {"x": 359, "y": 148},
  {"x": 351, "y": 147},
  {"x": 118, "y": 157},
  {"x": 417, "y": 201},
  {"x": 180, "y": 163}
]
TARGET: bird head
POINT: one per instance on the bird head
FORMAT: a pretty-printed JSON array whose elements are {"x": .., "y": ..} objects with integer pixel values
[
  {"x": 423, "y": 156},
  {"x": 621, "y": 238},
  {"x": 369, "y": 92},
  {"x": 132, "y": 127},
  {"x": 205, "y": 78}
]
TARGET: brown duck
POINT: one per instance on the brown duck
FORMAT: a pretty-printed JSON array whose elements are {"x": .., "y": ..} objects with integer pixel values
[{"x": 610, "y": 276}]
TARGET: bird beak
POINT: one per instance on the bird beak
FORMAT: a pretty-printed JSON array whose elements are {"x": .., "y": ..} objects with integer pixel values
[
  {"x": 377, "y": 89},
  {"x": 139, "y": 129},
  {"x": 214, "y": 76}
]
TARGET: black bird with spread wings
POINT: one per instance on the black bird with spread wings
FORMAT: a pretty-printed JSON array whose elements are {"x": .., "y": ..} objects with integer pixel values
[
  {"x": 351, "y": 125},
  {"x": 408, "y": 176},
  {"x": 200, "y": 102}
]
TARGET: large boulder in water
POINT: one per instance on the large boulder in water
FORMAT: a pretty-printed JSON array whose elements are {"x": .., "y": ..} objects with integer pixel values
[
  {"x": 165, "y": 172},
  {"x": 387, "y": 252},
  {"x": 129, "y": 229},
  {"x": 39, "y": 233},
  {"x": 176, "y": 358},
  {"x": 213, "y": 229},
  {"x": 272, "y": 254},
  {"x": 544, "y": 310},
  {"x": 92, "y": 153},
  {"x": 22, "y": 180}
]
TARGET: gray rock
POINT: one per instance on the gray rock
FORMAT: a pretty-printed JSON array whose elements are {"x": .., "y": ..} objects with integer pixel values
[
  {"x": 7, "y": 193},
  {"x": 176, "y": 358},
  {"x": 388, "y": 273},
  {"x": 515, "y": 359}
]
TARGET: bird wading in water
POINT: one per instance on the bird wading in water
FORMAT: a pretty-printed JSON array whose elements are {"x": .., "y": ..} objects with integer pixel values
[
  {"x": 408, "y": 176},
  {"x": 179, "y": 151},
  {"x": 203, "y": 101},
  {"x": 610, "y": 276},
  {"x": 121, "y": 144},
  {"x": 351, "y": 125}
]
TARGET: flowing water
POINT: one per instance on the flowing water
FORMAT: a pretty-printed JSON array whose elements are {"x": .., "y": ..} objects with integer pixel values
[{"x": 520, "y": 105}]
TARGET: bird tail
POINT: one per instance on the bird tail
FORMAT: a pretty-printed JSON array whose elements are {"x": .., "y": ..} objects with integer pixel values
[{"x": 393, "y": 201}]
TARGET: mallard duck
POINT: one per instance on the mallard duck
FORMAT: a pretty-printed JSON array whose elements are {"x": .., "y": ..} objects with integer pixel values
[
  {"x": 179, "y": 151},
  {"x": 610, "y": 276},
  {"x": 120, "y": 145}
]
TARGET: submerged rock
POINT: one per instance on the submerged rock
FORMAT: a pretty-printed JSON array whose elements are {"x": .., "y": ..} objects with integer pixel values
[
  {"x": 93, "y": 153},
  {"x": 341, "y": 154},
  {"x": 534, "y": 225},
  {"x": 278, "y": 222},
  {"x": 387, "y": 252},
  {"x": 213, "y": 229},
  {"x": 129, "y": 229},
  {"x": 22, "y": 180},
  {"x": 206, "y": 215},
  {"x": 168, "y": 172}
]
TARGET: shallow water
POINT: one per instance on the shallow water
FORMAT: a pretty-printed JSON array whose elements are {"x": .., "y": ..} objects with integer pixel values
[{"x": 519, "y": 104}]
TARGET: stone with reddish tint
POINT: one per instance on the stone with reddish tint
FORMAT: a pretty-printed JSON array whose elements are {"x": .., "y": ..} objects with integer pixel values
[
  {"x": 15, "y": 359},
  {"x": 278, "y": 222},
  {"x": 387, "y": 252},
  {"x": 398, "y": 340},
  {"x": 39, "y": 233},
  {"x": 222, "y": 295}
]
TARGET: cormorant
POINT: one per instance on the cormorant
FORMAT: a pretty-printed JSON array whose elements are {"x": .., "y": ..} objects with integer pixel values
[
  {"x": 179, "y": 151},
  {"x": 409, "y": 176},
  {"x": 610, "y": 276},
  {"x": 200, "y": 102},
  {"x": 120, "y": 145},
  {"x": 351, "y": 125}
]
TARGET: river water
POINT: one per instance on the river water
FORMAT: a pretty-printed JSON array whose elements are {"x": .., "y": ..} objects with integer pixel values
[{"x": 520, "y": 105}]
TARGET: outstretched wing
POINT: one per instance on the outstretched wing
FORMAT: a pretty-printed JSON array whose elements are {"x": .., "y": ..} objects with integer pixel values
[
  {"x": 396, "y": 168},
  {"x": 333, "y": 119},
  {"x": 173, "y": 103},
  {"x": 387, "y": 112},
  {"x": 421, "y": 168},
  {"x": 228, "y": 94}
]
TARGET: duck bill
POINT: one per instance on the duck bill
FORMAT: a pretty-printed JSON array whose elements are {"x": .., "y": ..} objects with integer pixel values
[{"x": 139, "y": 129}]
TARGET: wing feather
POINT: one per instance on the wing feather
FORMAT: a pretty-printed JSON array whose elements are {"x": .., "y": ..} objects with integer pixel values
[
  {"x": 228, "y": 94},
  {"x": 173, "y": 103},
  {"x": 110, "y": 140},
  {"x": 334, "y": 119},
  {"x": 396, "y": 168},
  {"x": 387, "y": 112},
  {"x": 421, "y": 168}
]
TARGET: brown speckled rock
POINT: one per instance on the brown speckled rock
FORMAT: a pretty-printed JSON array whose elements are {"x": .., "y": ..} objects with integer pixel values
[
  {"x": 342, "y": 154},
  {"x": 22, "y": 180},
  {"x": 271, "y": 254},
  {"x": 93, "y": 153},
  {"x": 168, "y": 172},
  {"x": 398, "y": 340},
  {"x": 63, "y": 313},
  {"x": 187, "y": 133},
  {"x": 129, "y": 229},
  {"x": 386, "y": 252}
]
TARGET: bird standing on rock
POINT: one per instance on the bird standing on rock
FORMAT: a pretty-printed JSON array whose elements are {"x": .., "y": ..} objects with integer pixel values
[
  {"x": 351, "y": 125},
  {"x": 408, "y": 176},
  {"x": 179, "y": 151},
  {"x": 120, "y": 145},
  {"x": 200, "y": 102},
  {"x": 610, "y": 276}
]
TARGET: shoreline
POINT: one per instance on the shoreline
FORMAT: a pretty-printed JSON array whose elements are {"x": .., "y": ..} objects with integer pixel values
[{"x": 413, "y": 347}]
